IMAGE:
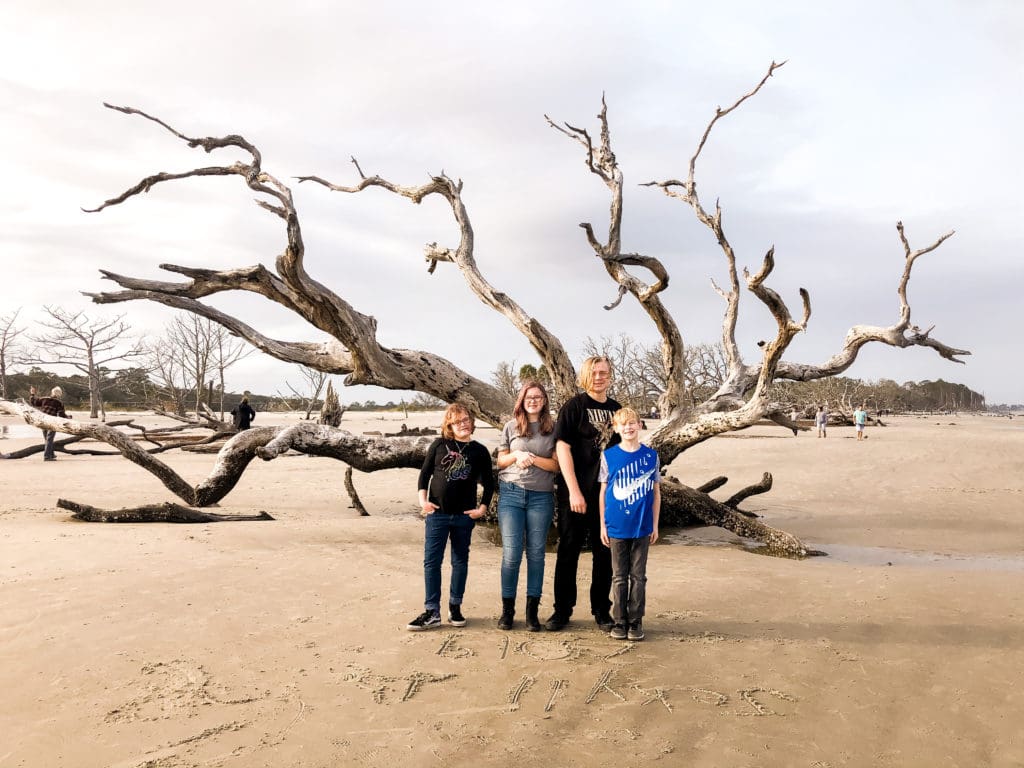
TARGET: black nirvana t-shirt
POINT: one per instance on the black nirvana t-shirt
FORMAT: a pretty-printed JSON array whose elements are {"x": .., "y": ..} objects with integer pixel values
[{"x": 586, "y": 425}]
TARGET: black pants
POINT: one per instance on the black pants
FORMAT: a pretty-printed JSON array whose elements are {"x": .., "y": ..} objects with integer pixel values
[{"x": 573, "y": 531}]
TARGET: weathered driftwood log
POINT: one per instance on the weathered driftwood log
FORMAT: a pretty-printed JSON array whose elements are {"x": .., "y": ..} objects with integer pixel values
[
  {"x": 751, "y": 490},
  {"x": 713, "y": 484},
  {"x": 676, "y": 496},
  {"x": 32, "y": 450},
  {"x": 168, "y": 512},
  {"x": 681, "y": 504}
]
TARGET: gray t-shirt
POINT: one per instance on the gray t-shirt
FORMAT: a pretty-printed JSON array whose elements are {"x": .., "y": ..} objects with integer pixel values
[{"x": 532, "y": 478}]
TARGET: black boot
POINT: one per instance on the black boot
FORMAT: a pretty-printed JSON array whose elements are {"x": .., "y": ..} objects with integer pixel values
[
  {"x": 532, "y": 606},
  {"x": 508, "y": 612}
]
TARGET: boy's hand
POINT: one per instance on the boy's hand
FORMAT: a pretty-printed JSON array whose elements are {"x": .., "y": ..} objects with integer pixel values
[
  {"x": 577, "y": 502},
  {"x": 604, "y": 537},
  {"x": 654, "y": 535}
]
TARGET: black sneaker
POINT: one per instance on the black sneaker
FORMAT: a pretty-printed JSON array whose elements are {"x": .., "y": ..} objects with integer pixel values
[
  {"x": 618, "y": 632},
  {"x": 557, "y": 622},
  {"x": 426, "y": 620},
  {"x": 636, "y": 631},
  {"x": 604, "y": 620},
  {"x": 455, "y": 615}
]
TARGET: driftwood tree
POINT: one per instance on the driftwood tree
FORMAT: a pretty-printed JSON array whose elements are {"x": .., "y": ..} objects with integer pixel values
[
  {"x": 90, "y": 345},
  {"x": 9, "y": 333},
  {"x": 354, "y": 351},
  {"x": 332, "y": 410}
]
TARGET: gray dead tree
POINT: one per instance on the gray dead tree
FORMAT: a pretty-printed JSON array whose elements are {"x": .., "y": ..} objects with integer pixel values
[
  {"x": 89, "y": 345},
  {"x": 353, "y": 350}
]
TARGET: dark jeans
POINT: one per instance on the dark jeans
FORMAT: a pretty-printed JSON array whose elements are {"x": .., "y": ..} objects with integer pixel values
[
  {"x": 438, "y": 528},
  {"x": 48, "y": 436},
  {"x": 629, "y": 578},
  {"x": 573, "y": 530}
]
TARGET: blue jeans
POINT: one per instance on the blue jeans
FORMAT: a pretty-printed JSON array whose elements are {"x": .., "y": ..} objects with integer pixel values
[
  {"x": 439, "y": 526},
  {"x": 48, "y": 436},
  {"x": 519, "y": 511}
]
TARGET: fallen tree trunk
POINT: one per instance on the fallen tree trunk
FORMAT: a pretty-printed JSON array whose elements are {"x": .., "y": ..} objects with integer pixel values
[
  {"x": 168, "y": 512},
  {"x": 681, "y": 505}
]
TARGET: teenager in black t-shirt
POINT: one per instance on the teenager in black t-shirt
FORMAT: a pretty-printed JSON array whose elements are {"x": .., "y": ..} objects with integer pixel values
[
  {"x": 582, "y": 432},
  {"x": 454, "y": 466}
]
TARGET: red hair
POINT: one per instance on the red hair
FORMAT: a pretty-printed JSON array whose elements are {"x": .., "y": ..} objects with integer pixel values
[{"x": 453, "y": 413}]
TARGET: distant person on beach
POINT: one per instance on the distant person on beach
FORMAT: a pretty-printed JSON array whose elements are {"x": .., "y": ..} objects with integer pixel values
[
  {"x": 821, "y": 421},
  {"x": 582, "y": 431},
  {"x": 455, "y": 465},
  {"x": 527, "y": 468},
  {"x": 793, "y": 416},
  {"x": 630, "y": 504},
  {"x": 52, "y": 406},
  {"x": 243, "y": 414},
  {"x": 860, "y": 419}
]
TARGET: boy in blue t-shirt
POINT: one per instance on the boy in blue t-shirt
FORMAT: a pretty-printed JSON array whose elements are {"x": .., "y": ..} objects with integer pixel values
[{"x": 630, "y": 506}]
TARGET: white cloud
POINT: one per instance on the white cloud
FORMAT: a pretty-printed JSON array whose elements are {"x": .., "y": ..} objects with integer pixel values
[{"x": 882, "y": 112}]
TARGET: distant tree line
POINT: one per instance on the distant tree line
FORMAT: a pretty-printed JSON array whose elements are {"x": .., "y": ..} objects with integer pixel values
[
  {"x": 185, "y": 366},
  {"x": 640, "y": 380}
]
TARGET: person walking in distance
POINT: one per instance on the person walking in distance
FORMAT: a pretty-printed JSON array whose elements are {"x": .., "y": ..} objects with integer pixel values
[
  {"x": 860, "y": 419},
  {"x": 243, "y": 414},
  {"x": 582, "y": 432},
  {"x": 52, "y": 406}
]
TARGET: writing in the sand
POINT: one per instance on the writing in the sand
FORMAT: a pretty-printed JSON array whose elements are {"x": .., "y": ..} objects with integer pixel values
[{"x": 605, "y": 683}]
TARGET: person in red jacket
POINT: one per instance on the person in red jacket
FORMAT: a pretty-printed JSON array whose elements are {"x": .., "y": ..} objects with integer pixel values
[{"x": 52, "y": 406}]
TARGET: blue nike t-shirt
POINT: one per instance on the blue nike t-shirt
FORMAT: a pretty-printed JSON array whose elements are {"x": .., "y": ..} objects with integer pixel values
[{"x": 629, "y": 494}]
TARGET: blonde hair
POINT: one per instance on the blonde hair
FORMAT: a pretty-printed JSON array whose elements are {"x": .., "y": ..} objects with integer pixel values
[
  {"x": 57, "y": 392},
  {"x": 453, "y": 413},
  {"x": 586, "y": 378},
  {"x": 625, "y": 415}
]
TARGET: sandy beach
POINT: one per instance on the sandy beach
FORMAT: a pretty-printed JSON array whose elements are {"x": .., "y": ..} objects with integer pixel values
[{"x": 283, "y": 644}]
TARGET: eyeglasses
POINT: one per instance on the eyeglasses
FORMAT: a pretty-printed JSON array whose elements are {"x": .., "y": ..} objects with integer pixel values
[
  {"x": 466, "y": 422},
  {"x": 534, "y": 399}
]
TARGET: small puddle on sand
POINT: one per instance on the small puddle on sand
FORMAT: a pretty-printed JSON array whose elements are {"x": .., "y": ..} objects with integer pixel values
[
  {"x": 851, "y": 554},
  {"x": 885, "y": 556}
]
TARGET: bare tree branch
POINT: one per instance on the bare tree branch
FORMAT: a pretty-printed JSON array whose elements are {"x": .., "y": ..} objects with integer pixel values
[{"x": 603, "y": 164}]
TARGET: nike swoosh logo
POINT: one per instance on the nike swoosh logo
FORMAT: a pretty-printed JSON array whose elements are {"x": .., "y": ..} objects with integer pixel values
[{"x": 624, "y": 491}]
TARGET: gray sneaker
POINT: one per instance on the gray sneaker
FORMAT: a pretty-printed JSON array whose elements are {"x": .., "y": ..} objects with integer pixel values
[
  {"x": 426, "y": 620},
  {"x": 636, "y": 630},
  {"x": 618, "y": 632}
]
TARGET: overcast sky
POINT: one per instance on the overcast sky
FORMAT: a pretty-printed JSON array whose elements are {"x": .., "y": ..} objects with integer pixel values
[{"x": 885, "y": 111}]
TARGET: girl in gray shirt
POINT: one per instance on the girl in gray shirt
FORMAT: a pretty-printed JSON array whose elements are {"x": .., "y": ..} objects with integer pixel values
[{"x": 526, "y": 502}]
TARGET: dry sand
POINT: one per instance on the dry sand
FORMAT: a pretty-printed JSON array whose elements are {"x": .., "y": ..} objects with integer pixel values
[{"x": 282, "y": 643}]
